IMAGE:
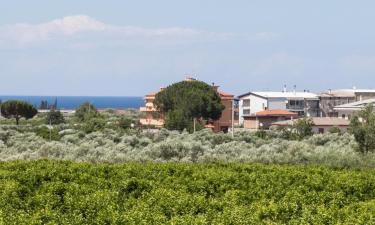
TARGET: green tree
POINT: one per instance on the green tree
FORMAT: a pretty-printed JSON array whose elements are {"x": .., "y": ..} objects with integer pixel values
[
  {"x": 303, "y": 128},
  {"x": 86, "y": 111},
  {"x": 185, "y": 101},
  {"x": 17, "y": 110},
  {"x": 362, "y": 126},
  {"x": 125, "y": 122},
  {"x": 54, "y": 117},
  {"x": 94, "y": 124},
  {"x": 334, "y": 130}
]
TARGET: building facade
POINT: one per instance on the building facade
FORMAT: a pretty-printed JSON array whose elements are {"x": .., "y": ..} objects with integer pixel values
[
  {"x": 333, "y": 98},
  {"x": 320, "y": 125},
  {"x": 347, "y": 111},
  {"x": 265, "y": 119},
  {"x": 301, "y": 103}
]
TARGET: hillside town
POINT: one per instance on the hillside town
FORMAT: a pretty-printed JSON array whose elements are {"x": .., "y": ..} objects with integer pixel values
[{"x": 257, "y": 110}]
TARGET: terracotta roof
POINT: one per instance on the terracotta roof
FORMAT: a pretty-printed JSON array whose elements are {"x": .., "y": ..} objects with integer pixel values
[
  {"x": 225, "y": 94},
  {"x": 318, "y": 121},
  {"x": 273, "y": 112}
]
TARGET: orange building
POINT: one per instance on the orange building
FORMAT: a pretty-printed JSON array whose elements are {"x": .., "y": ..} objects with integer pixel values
[{"x": 152, "y": 117}]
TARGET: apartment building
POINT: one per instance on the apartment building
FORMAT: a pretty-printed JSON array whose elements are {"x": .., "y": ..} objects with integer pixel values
[
  {"x": 346, "y": 111},
  {"x": 301, "y": 103},
  {"x": 152, "y": 117},
  {"x": 331, "y": 100}
]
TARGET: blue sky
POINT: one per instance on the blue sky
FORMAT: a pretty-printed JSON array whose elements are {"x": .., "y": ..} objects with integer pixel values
[{"x": 122, "y": 48}]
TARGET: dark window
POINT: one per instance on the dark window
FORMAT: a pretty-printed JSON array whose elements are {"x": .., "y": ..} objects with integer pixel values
[{"x": 321, "y": 130}]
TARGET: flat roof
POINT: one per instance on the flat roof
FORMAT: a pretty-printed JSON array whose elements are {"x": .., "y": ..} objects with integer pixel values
[
  {"x": 280, "y": 94},
  {"x": 356, "y": 105},
  {"x": 318, "y": 121},
  {"x": 273, "y": 112}
]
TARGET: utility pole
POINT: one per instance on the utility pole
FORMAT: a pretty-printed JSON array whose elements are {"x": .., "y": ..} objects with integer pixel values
[
  {"x": 50, "y": 129},
  {"x": 233, "y": 118}
]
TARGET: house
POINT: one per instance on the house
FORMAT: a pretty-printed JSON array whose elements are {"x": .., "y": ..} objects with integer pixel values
[
  {"x": 154, "y": 118},
  {"x": 332, "y": 98},
  {"x": 264, "y": 119},
  {"x": 320, "y": 124},
  {"x": 346, "y": 111},
  {"x": 302, "y": 103}
]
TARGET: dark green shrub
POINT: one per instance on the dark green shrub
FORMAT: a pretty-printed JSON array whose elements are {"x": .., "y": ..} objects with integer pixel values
[
  {"x": 48, "y": 133},
  {"x": 54, "y": 117}
]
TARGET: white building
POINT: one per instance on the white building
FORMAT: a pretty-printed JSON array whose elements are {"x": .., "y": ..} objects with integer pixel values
[
  {"x": 347, "y": 111},
  {"x": 303, "y": 103}
]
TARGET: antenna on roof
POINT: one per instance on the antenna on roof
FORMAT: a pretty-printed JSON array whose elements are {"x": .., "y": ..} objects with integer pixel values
[
  {"x": 284, "y": 88},
  {"x": 294, "y": 89}
]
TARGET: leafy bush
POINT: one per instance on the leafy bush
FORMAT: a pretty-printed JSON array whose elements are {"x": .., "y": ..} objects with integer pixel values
[
  {"x": 48, "y": 133},
  {"x": 54, "y": 117},
  {"x": 101, "y": 144},
  {"x": 61, "y": 192}
]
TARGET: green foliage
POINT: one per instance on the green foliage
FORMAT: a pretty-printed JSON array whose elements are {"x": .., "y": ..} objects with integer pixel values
[
  {"x": 93, "y": 124},
  {"x": 186, "y": 100},
  {"x": 54, "y": 117},
  {"x": 58, "y": 192},
  {"x": 48, "y": 133},
  {"x": 17, "y": 110},
  {"x": 125, "y": 122},
  {"x": 303, "y": 128},
  {"x": 334, "y": 130},
  {"x": 362, "y": 126},
  {"x": 86, "y": 111}
]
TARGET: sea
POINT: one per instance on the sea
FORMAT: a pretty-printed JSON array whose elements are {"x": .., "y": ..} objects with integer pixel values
[{"x": 72, "y": 102}]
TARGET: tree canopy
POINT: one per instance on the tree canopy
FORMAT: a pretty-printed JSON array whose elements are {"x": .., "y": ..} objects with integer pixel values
[
  {"x": 362, "y": 126},
  {"x": 17, "y": 110},
  {"x": 185, "y": 101},
  {"x": 86, "y": 111},
  {"x": 54, "y": 117}
]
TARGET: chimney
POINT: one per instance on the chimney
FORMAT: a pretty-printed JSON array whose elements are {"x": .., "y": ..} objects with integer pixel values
[{"x": 294, "y": 89}]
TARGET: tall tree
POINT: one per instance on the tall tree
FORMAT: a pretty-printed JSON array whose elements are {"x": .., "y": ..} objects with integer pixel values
[
  {"x": 362, "y": 126},
  {"x": 54, "y": 117},
  {"x": 86, "y": 111},
  {"x": 17, "y": 110},
  {"x": 185, "y": 101}
]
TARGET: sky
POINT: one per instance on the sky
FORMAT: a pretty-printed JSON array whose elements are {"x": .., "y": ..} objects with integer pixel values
[{"x": 130, "y": 48}]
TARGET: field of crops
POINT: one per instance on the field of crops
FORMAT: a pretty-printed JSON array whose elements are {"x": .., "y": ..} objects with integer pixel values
[{"x": 56, "y": 192}]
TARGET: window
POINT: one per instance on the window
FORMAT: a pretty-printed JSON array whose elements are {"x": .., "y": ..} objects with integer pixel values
[
  {"x": 246, "y": 103},
  {"x": 321, "y": 130},
  {"x": 343, "y": 116},
  {"x": 246, "y": 111}
]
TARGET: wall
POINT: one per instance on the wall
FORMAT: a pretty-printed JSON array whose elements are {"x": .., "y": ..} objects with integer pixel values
[
  {"x": 327, "y": 128},
  {"x": 226, "y": 116},
  {"x": 240, "y": 109},
  {"x": 257, "y": 103}
]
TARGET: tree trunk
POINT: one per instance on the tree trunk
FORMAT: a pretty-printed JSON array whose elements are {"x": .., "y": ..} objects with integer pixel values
[{"x": 17, "y": 120}]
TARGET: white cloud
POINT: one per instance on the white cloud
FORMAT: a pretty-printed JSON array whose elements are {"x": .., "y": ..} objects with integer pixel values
[
  {"x": 84, "y": 31},
  {"x": 266, "y": 36}
]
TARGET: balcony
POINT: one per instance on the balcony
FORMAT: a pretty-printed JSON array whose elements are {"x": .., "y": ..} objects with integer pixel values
[
  {"x": 152, "y": 122},
  {"x": 147, "y": 109}
]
